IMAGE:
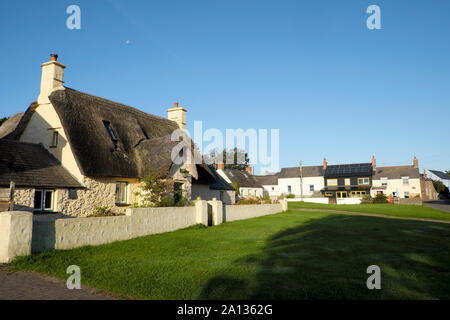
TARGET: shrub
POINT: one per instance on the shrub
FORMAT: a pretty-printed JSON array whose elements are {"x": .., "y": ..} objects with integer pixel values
[
  {"x": 267, "y": 201},
  {"x": 249, "y": 201},
  {"x": 366, "y": 199},
  {"x": 290, "y": 196},
  {"x": 102, "y": 212},
  {"x": 235, "y": 185},
  {"x": 380, "y": 198}
]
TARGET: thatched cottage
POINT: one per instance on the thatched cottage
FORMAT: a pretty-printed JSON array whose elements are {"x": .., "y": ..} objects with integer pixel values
[{"x": 101, "y": 150}]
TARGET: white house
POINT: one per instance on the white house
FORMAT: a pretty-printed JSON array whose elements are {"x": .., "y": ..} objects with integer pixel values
[
  {"x": 399, "y": 181},
  {"x": 312, "y": 181},
  {"x": 437, "y": 176},
  {"x": 248, "y": 185},
  {"x": 269, "y": 184}
]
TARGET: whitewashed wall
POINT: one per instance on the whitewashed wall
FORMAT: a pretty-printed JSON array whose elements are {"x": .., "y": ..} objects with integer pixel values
[
  {"x": 68, "y": 233},
  {"x": 413, "y": 187},
  {"x": 283, "y": 184}
]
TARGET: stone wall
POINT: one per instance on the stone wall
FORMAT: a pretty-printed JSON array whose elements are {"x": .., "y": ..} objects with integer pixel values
[
  {"x": 99, "y": 192},
  {"x": 24, "y": 199},
  {"x": 67, "y": 233}
]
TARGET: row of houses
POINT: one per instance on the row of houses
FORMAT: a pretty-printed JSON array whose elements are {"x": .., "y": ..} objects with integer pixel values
[{"x": 337, "y": 181}]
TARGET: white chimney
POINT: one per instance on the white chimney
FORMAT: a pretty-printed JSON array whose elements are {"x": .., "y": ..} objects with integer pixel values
[
  {"x": 52, "y": 78},
  {"x": 177, "y": 114}
]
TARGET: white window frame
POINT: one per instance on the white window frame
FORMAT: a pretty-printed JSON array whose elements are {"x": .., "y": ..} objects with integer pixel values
[
  {"x": 119, "y": 201},
  {"x": 407, "y": 180},
  {"x": 42, "y": 208},
  {"x": 347, "y": 181},
  {"x": 384, "y": 181},
  {"x": 54, "y": 139},
  {"x": 311, "y": 189},
  {"x": 332, "y": 184}
]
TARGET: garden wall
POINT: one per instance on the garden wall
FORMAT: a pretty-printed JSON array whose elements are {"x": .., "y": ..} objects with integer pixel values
[{"x": 50, "y": 232}]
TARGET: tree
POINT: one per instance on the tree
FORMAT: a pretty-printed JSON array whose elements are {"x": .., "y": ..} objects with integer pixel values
[
  {"x": 447, "y": 172},
  {"x": 239, "y": 156},
  {"x": 157, "y": 190},
  {"x": 2, "y": 120},
  {"x": 441, "y": 188}
]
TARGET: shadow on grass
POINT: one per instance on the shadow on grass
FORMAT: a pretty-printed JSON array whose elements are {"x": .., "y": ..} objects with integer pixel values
[{"x": 327, "y": 259}]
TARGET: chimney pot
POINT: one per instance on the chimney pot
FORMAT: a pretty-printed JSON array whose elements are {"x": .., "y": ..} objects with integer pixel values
[
  {"x": 374, "y": 162},
  {"x": 249, "y": 169},
  {"x": 53, "y": 57},
  {"x": 175, "y": 105},
  {"x": 220, "y": 166},
  {"x": 325, "y": 163}
]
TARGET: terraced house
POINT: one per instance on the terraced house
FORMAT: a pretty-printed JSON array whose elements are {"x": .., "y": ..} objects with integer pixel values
[{"x": 72, "y": 152}]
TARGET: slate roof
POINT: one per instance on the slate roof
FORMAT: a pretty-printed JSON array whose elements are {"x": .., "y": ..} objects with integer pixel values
[
  {"x": 31, "y": 165},
  {"x": 396, "y": 172},
  {"x": 349, "y": 170},
  {"x": 268, "y": 180},
  {"x": 440, "y": 174},
  {"x": 308, "y": 171},
  {"x": 220, "y": 183},
  {"x": 243, "y": 178}
]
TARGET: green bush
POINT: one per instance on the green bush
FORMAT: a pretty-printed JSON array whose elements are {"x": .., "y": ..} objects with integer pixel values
[
  {"x": 267, "y": 201},
  {"x": 366, "y": 199},
  {"x": 290, "y": 196},
  {"x": 102, "y": 212},
  {"x": 380, "y": 198}
]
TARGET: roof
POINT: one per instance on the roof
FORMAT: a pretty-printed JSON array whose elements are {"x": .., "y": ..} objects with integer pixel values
[
  {"x": 440, "y": 174},
  {"x": 220, "y": 183},
  {"x": 243, "y": 178},
  {"x": 294, "y": 172},
  {"x": 143, "y": 141},
  {"x": 396, "y": 172},
  {"x": 31, "y": 165},
  {"x": 349, "y": 170},
  {"x": 268, "y": 180},
  {"x": 10, "y": 125}
]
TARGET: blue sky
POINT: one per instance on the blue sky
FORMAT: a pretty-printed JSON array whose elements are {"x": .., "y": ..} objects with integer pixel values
[{"x": 309, "y": 68}]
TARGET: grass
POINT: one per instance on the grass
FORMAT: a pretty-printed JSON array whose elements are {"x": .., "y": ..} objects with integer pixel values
[
  {"x": 397, "y": 210},
  {"x": 292, "y": 255}
]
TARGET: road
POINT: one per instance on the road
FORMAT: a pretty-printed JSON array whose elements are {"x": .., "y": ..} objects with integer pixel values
[{"x": 443, "y": 205}]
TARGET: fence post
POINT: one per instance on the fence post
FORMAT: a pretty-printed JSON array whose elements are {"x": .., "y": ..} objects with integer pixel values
[
  {"x": 284, "y": 204},
  {"x": 217, "y": 211},
  {"x": 201, "y": 207},
  {"x": 16, "y": 229},
  {"x": 12, "y": 187}
]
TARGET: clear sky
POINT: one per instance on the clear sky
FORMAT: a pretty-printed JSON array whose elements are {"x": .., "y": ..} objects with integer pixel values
[{"x": 312, "y": 69}]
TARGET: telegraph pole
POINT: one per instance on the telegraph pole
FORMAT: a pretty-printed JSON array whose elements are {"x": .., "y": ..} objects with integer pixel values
[{"x": 301, "y": 180}]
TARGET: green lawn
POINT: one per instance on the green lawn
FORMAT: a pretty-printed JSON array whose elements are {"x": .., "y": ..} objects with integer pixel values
[
  {"x": 292, "y": 255},
  {"x": 397, "y": 210}
]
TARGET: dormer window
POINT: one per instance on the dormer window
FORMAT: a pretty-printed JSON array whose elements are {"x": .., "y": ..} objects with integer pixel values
[
  {"x": 110, "y": 132},
  {"x": 54, "y": 139}
]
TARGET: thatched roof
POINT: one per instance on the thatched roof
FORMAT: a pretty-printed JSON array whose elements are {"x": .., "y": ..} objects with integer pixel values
[
  {"x": 208, "y": 175},
  {"x": 31, "y": 165},
  {"x": 142, "y": 140},
  {"x": 10, "y": 125}
]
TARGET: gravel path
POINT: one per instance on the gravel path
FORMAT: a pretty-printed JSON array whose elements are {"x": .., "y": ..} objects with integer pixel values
[{"x": 22, "y": 285}]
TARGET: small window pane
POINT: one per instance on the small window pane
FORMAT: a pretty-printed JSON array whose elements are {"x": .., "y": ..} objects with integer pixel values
[
  {"x": 48, "y": 200},
  {"x": 38, "y": 199}
]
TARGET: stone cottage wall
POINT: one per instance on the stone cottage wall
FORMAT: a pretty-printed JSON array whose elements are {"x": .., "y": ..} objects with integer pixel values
[{"x": 99, "y": 192}]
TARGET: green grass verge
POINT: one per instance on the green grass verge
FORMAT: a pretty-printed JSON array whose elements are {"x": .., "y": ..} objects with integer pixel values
[
  {"x": 397, "y": 210},
  {"x": 292, "y": 255}
]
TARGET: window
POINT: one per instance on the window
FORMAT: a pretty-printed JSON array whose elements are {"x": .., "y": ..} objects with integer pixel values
[
  {"x": 406, "y": 194},
  {"x": 177, "y": 192},
  {"x": 110, "y": 132},
  {"x": 384, "y": 181},
  {"x": 54, "y": 140},
  {"x": 363, "y": 181},
  {"x": 347, "y": 181},
  {"x": 405, "y": 180},
  {"x": 43, "y": 200},
  {"x": 289, "y": 189},
  {"x": 332, "y": 182},
  {"x": 357, "y": 194},
  {"x": 341, "y": 194},
  {"x": 121, "y": 193},
  {"x": 273, "y": 188},
  {"x": 311, "y": 187}
]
